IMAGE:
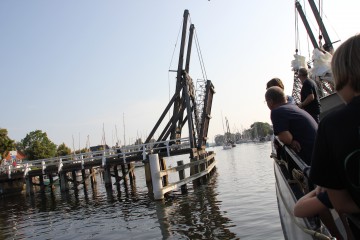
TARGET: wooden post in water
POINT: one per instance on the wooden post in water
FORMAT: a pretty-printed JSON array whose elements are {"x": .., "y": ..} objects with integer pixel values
[
  {"x": 107, "y": 176},
  {"x": 165, "y": 178},
  {"x": 116, "y": 173},
  {"x": 123, "y": 171},
  {"x": 148, "y": 177},
  {"x": 83, "y": 174},
  {"x": 92, "y": 177},
  {"x": 29, "y": 185},
  {"x": 203, "y": 166},
  {"x": 41, "y": 182},
  {"x": 73, "y": 173},
  {"x": 182, "y": 176},
  {"x": 64, "y": 185},
  {"x": 194, "y": 156},
  {"x": 131, "y": 172},
  {"x": 51, "y": 184}
]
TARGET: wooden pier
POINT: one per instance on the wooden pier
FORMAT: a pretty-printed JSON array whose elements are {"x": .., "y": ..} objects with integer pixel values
[
  {"x": 189, "y": 108},
  {"x": 115, "y": 165}
]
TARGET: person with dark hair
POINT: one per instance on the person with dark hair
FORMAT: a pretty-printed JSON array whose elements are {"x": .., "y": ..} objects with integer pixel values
[
  {"x": 310, "y": 101},
  {"x": 277, "y": 82},
  {"x": 292, "y": 125}
]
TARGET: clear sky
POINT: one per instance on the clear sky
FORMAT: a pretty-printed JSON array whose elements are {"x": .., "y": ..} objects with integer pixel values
[{"x": 70, "y": 68}]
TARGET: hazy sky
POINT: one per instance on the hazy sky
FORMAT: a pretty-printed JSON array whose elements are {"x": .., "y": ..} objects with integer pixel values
[{"x": 69, "y": 68}]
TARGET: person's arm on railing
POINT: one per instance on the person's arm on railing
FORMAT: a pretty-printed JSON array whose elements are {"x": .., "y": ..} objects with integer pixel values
[{"x": 287, "y": 138}]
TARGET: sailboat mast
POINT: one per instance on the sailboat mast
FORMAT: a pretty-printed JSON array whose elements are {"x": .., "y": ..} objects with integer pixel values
[{"x": 124, "y": 128}]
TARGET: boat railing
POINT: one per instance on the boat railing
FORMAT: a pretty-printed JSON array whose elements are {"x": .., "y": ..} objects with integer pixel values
[
  {"x": 300, "y": 164},
  {"x": 142, "y": 150}
]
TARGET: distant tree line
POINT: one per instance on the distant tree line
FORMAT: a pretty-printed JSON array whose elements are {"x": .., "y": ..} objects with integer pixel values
[
  {"x": 257, "y": 131},
  {"x": 35, "y": 145}
]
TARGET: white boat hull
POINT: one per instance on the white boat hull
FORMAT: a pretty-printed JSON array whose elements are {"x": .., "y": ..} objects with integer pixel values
[{"x": 286, "y": 201}]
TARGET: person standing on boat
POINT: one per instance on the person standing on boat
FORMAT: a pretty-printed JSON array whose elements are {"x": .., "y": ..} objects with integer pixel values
[
  {"x": 277, "y": 82},
  {"x": 310, "y": 101},
  {"x": 293, "y": 126},
  {"x": 335, "y": 165}
]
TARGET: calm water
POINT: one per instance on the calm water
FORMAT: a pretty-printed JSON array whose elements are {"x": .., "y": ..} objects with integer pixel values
[{"x": 239, "y": 202}]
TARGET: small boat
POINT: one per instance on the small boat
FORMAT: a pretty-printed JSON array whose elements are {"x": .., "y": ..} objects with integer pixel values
[
  {"x": 227, "y": 146},
  {"x": 228, "y": 142}
]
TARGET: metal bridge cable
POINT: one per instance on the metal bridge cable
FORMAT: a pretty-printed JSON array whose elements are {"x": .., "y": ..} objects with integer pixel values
[
  {"x": 172, "y": 58},
  {"x": 332, "y": 27},
  {"x": 202, "y": 66},
  {"x": 200, "y": 56}
]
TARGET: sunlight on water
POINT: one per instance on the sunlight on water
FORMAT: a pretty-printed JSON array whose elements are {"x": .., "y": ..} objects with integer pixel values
[{"x": 239, "y": 202}]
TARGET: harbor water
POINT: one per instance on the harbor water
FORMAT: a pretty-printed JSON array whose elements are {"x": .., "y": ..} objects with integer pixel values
[{"x": 238, "y": 202}]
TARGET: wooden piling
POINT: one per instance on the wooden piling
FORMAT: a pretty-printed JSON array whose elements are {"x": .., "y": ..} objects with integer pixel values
[
  {"x": 148, "y": 177},
  {"x": 41, "y": 183},
  {"x": 51, "y": 181},
  {"x": 64, "y": 185},
  {"x": 116, "y": 173},
  {"x": 181, "y": 177},
  {"x": 123, "y": 171},
  {"x": 131, "y": 172},
  {"x": 75, "y": 183},
  {"x": 83, "y": 175},
  {"x": 92, "y": 177},
  {"x": 165, "y": 179},
  {"x": 29, "y": 186},
  {"x": 202, "y": 167},
  {"x": 107, "y": 177}
]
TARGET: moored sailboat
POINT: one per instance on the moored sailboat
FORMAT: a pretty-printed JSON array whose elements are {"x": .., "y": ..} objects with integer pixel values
[{"x": 228, "y": 142}]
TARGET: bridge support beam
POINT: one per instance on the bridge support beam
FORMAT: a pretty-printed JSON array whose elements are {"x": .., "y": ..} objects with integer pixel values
[{"x": 155, "y": 176}]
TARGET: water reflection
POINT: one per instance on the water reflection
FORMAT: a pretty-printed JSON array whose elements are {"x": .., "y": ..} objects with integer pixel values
[
  {"x": 197, "y": 215},
  {"x": 126, "y": 211}
]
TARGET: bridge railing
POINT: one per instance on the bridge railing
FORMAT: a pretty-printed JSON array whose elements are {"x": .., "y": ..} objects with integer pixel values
[{"x": 83, "y": 158}]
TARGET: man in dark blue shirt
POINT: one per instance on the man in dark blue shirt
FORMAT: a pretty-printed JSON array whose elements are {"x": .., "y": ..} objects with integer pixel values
[{"x": 293, "y": 126}]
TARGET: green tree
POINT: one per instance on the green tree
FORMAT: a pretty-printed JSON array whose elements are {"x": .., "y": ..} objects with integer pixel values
[
  {"x": 260, "y": 130},
  {"x": 63, "y": 150},
  {"x": 219, "y": 140},
  {"x": 37, "y": 145},
  {"x": 6, "y": 144},
  {"x": 83, "y": 150},
  {"x": 138, "y": 141}
]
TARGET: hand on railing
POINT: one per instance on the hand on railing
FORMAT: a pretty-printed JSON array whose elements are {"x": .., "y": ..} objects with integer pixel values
[{"x": 295, "y": 145}]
